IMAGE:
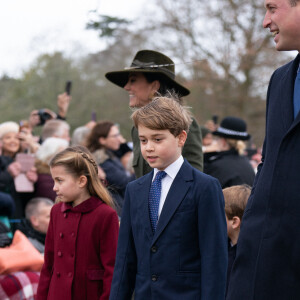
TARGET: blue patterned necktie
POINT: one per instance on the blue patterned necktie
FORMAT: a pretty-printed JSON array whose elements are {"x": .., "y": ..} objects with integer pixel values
[
  {"x": 297, "y": 94},
  {"x": 154, "y": 198}
]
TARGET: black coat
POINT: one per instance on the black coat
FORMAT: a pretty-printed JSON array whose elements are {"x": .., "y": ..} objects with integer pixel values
[
  {"x": 267, "y": 264},
  {"x": 229, "y": 168},
  {"x": 7, "y": 185}
]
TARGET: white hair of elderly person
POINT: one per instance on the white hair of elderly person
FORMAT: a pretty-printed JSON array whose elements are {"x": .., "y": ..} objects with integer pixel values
[{"x": 50, "y": 147}]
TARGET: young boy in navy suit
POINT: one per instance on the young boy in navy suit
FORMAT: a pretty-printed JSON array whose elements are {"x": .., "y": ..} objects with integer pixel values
[{"x": 173, "y": 240}]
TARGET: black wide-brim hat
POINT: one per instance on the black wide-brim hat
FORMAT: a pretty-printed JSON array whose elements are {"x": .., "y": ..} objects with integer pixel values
[
  {"x": 233, "y": 128},
  {"x": 148, "y": 61}
]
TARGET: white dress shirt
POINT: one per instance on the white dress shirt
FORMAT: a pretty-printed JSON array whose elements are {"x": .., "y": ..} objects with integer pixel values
[{"x": 167, "y": 181}]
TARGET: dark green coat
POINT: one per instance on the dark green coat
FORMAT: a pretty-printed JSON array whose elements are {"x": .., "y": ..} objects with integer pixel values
[{"x": 192, "y": 151}]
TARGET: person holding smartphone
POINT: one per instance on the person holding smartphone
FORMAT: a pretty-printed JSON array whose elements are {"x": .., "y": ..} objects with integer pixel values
[{"x": 10, "y": 169}]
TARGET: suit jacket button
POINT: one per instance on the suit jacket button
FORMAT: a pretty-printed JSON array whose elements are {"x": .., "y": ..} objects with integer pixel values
[
  {"x": 59, "y": 253},
  {"x": 153, "y": 249},
  {"x": 154, "y": 277},
  {"x": 57, "y": 274},
  {"x": 61, "y": 235}
]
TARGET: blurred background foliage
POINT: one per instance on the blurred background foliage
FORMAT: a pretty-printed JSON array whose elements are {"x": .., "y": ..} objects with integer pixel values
[{"x": 222, "y": 54}]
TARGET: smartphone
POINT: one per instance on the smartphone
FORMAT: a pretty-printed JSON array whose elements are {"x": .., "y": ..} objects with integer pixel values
[
  {"x": 68, "y": 87},
  {"x": 215, "y": 119},
  {"x": 93, "y": 116}
]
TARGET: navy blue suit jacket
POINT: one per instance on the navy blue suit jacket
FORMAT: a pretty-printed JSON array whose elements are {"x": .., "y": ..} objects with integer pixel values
[{"x": 186, "y": 257}]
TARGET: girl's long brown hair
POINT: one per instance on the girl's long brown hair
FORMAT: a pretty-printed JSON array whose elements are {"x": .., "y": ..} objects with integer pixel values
[{"x": 78, "y": 161}]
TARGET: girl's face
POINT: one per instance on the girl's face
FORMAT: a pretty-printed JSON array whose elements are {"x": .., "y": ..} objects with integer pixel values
[
  {"x": 10, "y": 143},
  {"x": 69, "y": 188},
  {"x": 112, "y": 141},
  {"x": 140, "y": 90}
]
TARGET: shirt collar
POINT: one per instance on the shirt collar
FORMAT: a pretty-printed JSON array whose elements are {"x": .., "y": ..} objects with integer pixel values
[{"x": 173, "y": 168}]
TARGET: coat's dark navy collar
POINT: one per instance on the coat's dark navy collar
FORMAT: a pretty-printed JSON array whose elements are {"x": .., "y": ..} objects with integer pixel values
[{"x": 83, "y": 207}]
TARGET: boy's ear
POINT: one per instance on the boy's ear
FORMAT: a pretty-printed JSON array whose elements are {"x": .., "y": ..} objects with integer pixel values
[
  {"x": 82, "y": 181},
  {"x": 236, "y": 222},
  {"x": 182, "y": 138}
]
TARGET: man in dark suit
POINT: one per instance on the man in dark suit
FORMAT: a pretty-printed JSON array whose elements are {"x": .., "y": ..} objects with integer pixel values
[
  {"x": 267, "y": 264},
  {"x": 175, "y": 248}
]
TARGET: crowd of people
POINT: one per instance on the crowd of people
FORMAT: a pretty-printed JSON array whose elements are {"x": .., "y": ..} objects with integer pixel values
[
  {"x": 27, "y": 203},
  {"x": 182, "y": 211}
]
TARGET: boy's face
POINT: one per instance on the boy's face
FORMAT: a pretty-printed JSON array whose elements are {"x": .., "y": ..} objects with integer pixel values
[{"x": 160, "y": 148}]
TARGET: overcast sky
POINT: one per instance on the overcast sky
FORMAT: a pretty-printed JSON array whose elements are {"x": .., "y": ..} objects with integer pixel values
[{"x": 29, "y": 28}]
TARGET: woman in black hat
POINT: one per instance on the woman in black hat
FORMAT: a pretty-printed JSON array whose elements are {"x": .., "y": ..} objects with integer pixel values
[
  {"x": 229, "y": 165},
  {"x": 152, "y": 73}
]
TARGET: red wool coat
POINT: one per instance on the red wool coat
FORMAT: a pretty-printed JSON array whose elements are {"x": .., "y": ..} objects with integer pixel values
[{"x": 80, "y": 252}]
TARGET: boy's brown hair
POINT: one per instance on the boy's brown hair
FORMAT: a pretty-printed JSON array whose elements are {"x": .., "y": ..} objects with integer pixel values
[
  {"x": 236, "y": 198},
  {"x": 163, "y": 113}
]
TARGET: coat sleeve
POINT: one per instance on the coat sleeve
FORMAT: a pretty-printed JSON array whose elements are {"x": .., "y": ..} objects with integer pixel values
[
  {"x": 192, "y": 150},
  {"x": 108, "y": 248},
  {"x": 212, "y": 230},
  {"x": 47, "y": 270},
  {"x": 126, "y": 262}
]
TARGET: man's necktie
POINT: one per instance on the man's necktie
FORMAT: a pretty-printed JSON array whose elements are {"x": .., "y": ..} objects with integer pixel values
[
  {"x": 154, "y": 198},
  {"x": 297, "y": 94}
]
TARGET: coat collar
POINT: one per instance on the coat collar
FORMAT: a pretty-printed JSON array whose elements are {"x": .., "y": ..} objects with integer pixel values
[
  {"x": 84, "y": 207},
  {"x": 287, "y": 92}
]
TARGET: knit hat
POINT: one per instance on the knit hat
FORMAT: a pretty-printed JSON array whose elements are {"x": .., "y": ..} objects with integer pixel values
[
  {"x": 233, "y": 128},
  {"x": 148, "y": 61},
  {"x": 8, "y": 127}
]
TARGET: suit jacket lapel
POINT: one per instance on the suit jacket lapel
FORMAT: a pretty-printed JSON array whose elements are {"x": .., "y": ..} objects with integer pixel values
[
  {"x": 142, "y": 195},
  {"x": 286, "y": 100},
  {"x": 176, "y": 194},
  {"x": 289, "y": 81}
]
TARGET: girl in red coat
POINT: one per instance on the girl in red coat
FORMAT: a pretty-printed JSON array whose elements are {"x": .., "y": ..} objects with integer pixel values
[{"x": 82, "y": 236}]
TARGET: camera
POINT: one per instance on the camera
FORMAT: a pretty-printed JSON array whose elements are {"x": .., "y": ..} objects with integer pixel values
[{"x": 44, "y": 116}]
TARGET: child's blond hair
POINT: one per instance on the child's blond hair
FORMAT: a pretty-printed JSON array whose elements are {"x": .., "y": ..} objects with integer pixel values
[
  {"x": 163, "y": 113},
  {"x": 236, "y": 198}
]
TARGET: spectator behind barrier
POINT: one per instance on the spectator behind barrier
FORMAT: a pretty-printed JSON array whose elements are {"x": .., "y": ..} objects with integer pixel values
[{"x": 36, "y": 223}]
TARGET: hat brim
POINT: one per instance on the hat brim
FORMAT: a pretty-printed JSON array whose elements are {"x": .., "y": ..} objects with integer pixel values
[
  {"x": 230, "y": 136},
  {"x": 120, "y": 78}
]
